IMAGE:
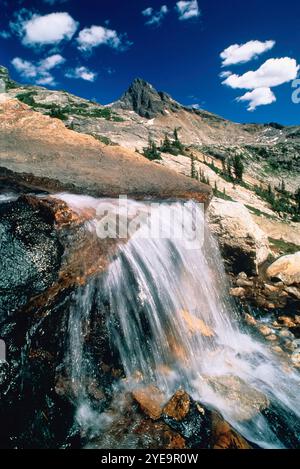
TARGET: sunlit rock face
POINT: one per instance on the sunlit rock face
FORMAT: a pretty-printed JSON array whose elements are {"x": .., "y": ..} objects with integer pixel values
[{"x": 244, "y": 245}]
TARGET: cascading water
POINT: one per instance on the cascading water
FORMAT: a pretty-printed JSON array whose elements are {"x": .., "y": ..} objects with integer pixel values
[{"x": 174, "y": 326}]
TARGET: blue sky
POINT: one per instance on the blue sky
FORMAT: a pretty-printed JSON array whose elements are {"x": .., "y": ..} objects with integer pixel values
[{"x": 95, "y": 48}]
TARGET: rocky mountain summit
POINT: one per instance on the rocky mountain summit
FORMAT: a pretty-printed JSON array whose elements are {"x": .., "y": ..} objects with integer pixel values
[{"x": 142, "y": 98}]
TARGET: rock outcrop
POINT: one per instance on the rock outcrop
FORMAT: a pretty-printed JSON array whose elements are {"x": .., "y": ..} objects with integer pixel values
[
  {"x": 286, "y": 269},
  {"x": 143, "y": 99},
  {"x": 59, "y": 158},
  {"x": 245, "y": 246},
  {"x": 30, "y": 253}
]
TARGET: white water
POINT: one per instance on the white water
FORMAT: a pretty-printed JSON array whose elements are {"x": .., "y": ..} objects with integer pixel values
[
  {"x": 174, "y": 326},
  {"x": 8, "y": 197}
]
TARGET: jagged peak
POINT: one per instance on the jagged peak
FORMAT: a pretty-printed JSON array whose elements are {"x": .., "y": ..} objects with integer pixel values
[{"x": 142, "y": 98}]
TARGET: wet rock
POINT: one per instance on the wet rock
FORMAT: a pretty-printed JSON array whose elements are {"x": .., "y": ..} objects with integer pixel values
[
  {"x": 233, "y": 390},
  {"x": 30, "y": 252},
  {"x": 178, "y": 406},
  {"x": 271, "y": 338},
  {"x": 242, "y": 276},
  {"x": 286, "y": 269},
  {"x": 158, "y": 435},
  {"x": 286, "y": 321},
  {"x": 238, "y": 292},
  {"x": 196, "y": 324},
  {"x": 293, "y": 291},
  {"x": 264, "y": 330},
  {"x": 286, "y": 334},
  {"x": 250, "y": 320},
  {"x": 150, "y": 400},
  {"x": 224, "y": 436},
  {"x": 190, "y": 419},
  {"x": 296, "y": 359},
  {"x": 271, "y": 288},
  {"x": 244, "y": 283},
  {"x": 277, "y": 349}
]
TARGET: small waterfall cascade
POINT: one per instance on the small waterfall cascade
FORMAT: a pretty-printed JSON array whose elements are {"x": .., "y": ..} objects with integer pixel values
[{"x": 174, "y": 326}]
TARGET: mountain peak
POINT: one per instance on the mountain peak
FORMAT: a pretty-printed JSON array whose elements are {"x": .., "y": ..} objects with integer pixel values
[
  {"x": 142, "y": 98},
  {"x": 5, "y": 81}
]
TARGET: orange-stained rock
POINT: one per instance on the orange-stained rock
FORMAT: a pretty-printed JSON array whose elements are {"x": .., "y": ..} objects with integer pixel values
[
  {"x": 150, "y": 400},
  {"x": 178, "y": 406},
  {"x": 43, "y": 152},
  {"x": 195, "y": 324},
  {"x": 224, "y": 436}
]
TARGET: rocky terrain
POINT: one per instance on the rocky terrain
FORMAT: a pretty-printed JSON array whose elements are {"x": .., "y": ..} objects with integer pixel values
[
  {"x": 270, "y": 150},
  {"x": 52, "y": 141}
]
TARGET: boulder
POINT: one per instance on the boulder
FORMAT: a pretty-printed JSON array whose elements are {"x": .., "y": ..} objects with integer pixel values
[
  {"x": 244, "y": 245},
  {"x": 286, "y": 269}
]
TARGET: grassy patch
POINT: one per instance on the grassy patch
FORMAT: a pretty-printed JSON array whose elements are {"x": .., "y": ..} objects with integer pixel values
[
  {"x": 259, "y": 213},
  {"x": 283, "y": 247}
]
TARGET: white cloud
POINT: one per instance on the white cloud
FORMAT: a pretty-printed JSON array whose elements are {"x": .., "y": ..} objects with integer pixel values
[
  {"x": 225, "y": 74},
  {"x": 51, "y": 62},
  {"x": 187, "y": 9},
  {"x": 242, "y": 53},
  {"x": 273, "y": 72},
  {"x": 24, "y": 67},
  {"x": 95, "y": 36},
  {"x": 195, "y": 106},
  {"x": 82, "y": 72},
  {"x": 39, "y": 72},
  {"x": 258, "y": 97},
  {"x": 36, "y": 30},
  {"x": 148, "y": 11},
  {"x": 155, "y": 17},
  {"x": 5, "y": 34}
]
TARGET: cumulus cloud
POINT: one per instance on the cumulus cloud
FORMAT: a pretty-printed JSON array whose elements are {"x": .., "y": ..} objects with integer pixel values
[
  {"x": 82, "y": 73},
  {"x": 38, "y": 72},
  {"x": 155, "y": 17},
  {"x": 36, "y": 30},
  {"x": 258, "y": 97},
  {"x": 96, "y": 36},
  {"x": 187, "y": 9},
  {"x": 242, "y": 53},
  {"x": 273, "y": 72}
]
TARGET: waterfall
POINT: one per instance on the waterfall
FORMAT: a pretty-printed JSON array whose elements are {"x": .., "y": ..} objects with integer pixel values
[{"x": 174, "y": 325}]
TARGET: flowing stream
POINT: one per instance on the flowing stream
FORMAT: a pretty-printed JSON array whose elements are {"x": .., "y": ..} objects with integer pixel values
[{"x": 174, "y": 325}]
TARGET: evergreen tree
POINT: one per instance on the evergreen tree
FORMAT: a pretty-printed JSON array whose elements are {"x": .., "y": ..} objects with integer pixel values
[
  {"x": 238, "y": 167},
  {"x": 177, "y": 143},
  {"x": 151, "y": 151},
  {"x": 166, "y": 146},
  {"x": 193, "y": 168},
  {"x": 229, "y": 169},
  {"x": 297, "y": 198}
]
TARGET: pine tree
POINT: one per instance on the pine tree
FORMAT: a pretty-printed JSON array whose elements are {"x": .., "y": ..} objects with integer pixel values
[
  {"x": 151, "y": 151},
  {"x": 177, "y": 143},
  {"x": 297, "y": 198},
  {"x": 193, "y": 168},
  {"x": 238, "y": 167},
  {"x": 229, "y": 169},
  {"x": 166, "y": 146}
]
